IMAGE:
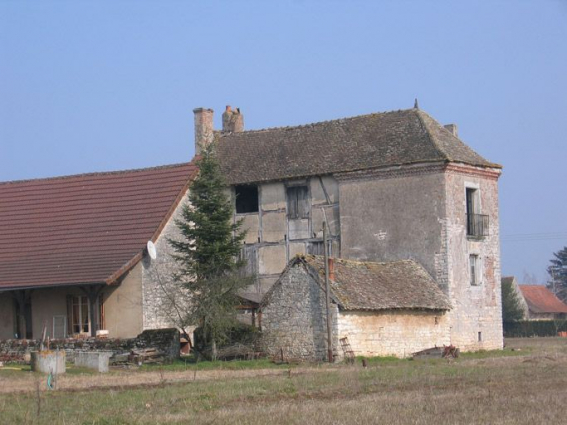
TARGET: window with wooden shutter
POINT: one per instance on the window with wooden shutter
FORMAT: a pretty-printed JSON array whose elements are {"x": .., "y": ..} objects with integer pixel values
[{"x": 297, "y": 202}]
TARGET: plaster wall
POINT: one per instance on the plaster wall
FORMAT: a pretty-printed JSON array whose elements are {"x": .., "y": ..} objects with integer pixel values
[
  {"x": 46, "y": 303},
  {"x": 274, "y": 239},
  {"x": 546, "y": 316},
  {"x": 395, "y": 216},
  {"x": 123, "y": 305},
  {"x": 393, "y": 333},
  {"x": 476, "y": 317}
]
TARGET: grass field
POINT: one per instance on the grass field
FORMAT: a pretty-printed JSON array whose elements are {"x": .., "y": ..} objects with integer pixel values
[{"x": 524, "y": 384}]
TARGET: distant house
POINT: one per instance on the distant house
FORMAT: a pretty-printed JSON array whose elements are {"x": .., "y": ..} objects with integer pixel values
[
  {"x": 392, "y": 308},
  {"x": 542, "y": 304}
]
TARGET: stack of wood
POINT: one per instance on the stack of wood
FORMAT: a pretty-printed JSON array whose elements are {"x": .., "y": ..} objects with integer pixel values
[
  {"x": 138, "y": 357},
  {"x": 12, "y": 357},
  {"x": 146, "y": 356}
]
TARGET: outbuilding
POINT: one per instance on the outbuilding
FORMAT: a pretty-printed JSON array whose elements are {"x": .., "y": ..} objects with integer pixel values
[{"x": 383, "y": 309}]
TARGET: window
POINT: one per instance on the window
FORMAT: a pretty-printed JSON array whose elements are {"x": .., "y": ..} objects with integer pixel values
[
  {"x": 59, "y": 327},
  {"x": 474, "y": 263},
  {"x": 79, "y": 314},
  {"x": 246, "y": 199},
  {"x": 297, "y": 202},
  {"x": 477, "y": 224},
  {"x": 249, "y": 253},
  {"x": 318, "y": 248}
]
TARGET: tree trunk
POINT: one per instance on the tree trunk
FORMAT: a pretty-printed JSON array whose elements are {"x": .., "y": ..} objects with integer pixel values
[{"x": 214, "y": 350}]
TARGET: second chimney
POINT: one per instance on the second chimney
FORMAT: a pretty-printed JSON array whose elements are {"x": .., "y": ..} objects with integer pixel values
[
  {"x": 331, "y": 262},
  {"x": 232, "y": 120},
  {"x": 453, "y": 129},
  {"x": 204, "y": 130}
]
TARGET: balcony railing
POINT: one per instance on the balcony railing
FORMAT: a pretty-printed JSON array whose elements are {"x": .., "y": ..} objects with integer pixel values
[{"x": 477, "y": 225}]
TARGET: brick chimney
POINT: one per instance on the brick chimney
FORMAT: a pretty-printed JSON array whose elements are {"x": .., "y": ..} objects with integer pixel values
[
  {"x": 452, "y": 129},
  {"x": 204, "y": 130},
  {"x": 232, "y": 120},
  {"x": 331, "y": 268}
]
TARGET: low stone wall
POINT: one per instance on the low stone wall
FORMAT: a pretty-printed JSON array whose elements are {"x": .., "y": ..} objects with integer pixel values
[{"x": 166, "y": 341}]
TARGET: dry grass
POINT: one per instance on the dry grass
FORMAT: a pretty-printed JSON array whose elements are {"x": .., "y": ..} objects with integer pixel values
[{"x": 483, "y": 389}]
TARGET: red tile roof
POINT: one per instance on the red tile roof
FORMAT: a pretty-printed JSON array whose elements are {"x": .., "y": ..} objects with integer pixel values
[
  {"x": 84, "y": 229},
  {"x": 542, "y": 300}
]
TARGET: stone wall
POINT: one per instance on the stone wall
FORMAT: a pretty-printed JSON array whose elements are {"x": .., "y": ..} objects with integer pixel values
[
  {"x": 294, "y": 319},
  {"x": 162, "y": 298},
  {"x": 476, "y": 317},
  {"x": 393, "y": 333},
  {"x": 165, "y": 341}
]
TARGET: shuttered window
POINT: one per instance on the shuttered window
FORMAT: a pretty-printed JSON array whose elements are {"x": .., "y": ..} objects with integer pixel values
[{"x": 297, "y": 202}]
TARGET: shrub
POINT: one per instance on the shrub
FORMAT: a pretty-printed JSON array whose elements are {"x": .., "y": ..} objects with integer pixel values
[{"x": 527, "y": 328}]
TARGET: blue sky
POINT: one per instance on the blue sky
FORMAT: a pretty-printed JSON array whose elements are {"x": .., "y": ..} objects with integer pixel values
[{"x": 95, "y": 86}]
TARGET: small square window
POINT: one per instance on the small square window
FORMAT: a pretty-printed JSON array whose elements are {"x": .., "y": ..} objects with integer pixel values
[{"x": 246, "y": 199}]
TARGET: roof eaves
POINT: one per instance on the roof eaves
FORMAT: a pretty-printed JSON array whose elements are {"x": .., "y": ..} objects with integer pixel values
[{"x": 51, "y": 285}]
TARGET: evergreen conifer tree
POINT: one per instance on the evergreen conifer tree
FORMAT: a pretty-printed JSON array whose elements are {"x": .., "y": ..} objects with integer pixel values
[
  {"x": 558, "y": 274},
  {"x": 511, "y": 310},
  {"x": 208, "y": 254}
]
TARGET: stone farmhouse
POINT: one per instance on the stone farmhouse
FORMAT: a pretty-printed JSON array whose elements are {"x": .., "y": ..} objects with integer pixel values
[{"x": 398, "y": 191}]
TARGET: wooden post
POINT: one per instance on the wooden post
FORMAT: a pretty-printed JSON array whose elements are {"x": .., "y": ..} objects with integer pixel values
[
  {"x": 22, "y": 297},
  {"x": 328, "y": 295}
]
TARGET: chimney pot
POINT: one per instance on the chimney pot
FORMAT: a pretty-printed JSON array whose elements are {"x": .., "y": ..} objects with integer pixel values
[
  {"x": 452, "y": 129},
  {"x": 232, "y": 121},
  {"x": 331, "y": 262}
]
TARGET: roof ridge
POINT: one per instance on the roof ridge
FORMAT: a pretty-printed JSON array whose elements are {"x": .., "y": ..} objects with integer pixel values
[
  {"x": 431, "y": 139},
  {"x": 313, "y": 124},
  {"x": 97, "y": 173}
]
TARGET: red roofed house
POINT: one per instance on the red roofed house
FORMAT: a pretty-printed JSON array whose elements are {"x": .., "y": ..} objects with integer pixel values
[
  {"x": 391, "y": 186},
  {"x": 542, "y": 304}
]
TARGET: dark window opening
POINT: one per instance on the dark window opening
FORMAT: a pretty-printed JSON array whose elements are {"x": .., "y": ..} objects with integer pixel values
[
  {"x": 297, "y": 202},
  {"x": 246, "y": 199},
  {"x": 480, "y": 337},
  {"x": 23, "y": 319},
  {"x": 472, "y": 203},
  {"x": 477, "y": 224}
]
